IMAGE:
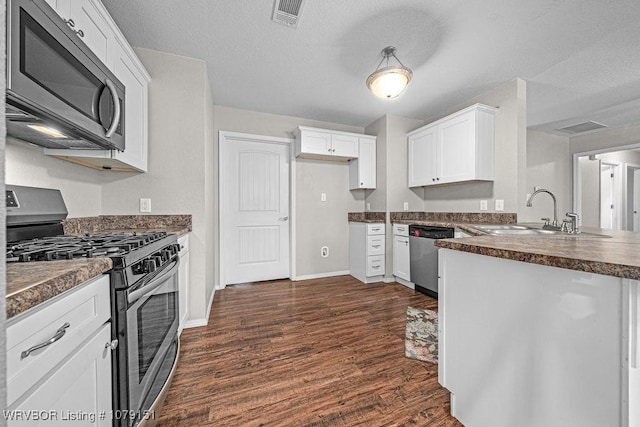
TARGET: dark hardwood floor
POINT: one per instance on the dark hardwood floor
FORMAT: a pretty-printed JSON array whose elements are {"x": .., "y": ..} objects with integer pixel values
[{"x": 325, "y": 352}]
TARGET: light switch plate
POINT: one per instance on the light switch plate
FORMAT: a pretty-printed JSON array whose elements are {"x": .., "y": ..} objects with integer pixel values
[
  {"x": 483, "y": 205},
  {"x": 406, "y": 206},
  {"x": 145, "y": 205},
  {"x": 323, "y": 197},
  {"x": 499, "y": 204},
  {"x": 368, "y": 206}
]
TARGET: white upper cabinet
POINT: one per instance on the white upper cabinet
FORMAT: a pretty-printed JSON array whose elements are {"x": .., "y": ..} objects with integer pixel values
[
  {"x": 326, "y": 144},
  {"x": 362, "y": 171},
  {"x": 95, "y": 27},
  {"x": 91, "y": 26},
  {"x": 457, "y": 148}
]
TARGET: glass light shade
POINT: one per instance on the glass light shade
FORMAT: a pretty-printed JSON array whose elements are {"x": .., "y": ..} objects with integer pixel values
[{"x": 389, "y": 82}]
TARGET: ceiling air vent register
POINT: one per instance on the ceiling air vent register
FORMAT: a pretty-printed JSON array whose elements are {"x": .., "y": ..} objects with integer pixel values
[
  {"x": 287, "y": 12},
  {"x": 582, "y": 127}
]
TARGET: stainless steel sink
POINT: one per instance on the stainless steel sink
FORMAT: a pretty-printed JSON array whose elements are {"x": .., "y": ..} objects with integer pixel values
[
  {"x": 488, "y": 227},
  {"x": 526, "y": 230}
]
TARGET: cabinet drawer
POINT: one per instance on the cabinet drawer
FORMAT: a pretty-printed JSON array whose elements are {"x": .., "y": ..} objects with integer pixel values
[
  {"x": 375, "y": 245},
  {"x": 375, "y": 265},
  {"x": 84, "y": 308},
  {"x": 375, "y": 229},
  {"x": 400, "y": 229}
]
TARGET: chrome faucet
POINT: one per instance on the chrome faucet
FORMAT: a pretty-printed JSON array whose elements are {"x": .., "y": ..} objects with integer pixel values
[{"x": 554, "y": 224}]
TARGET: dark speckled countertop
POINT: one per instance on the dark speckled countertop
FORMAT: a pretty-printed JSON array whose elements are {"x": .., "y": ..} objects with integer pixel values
[
  {"x": 32, "y": 283},
  {"x": 618, "y": 255}
]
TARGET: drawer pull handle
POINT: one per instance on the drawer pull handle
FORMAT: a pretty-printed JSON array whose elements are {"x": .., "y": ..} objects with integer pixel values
[
  {"x": 59, "y": 334},
  {"x": 376, "y": 246}
]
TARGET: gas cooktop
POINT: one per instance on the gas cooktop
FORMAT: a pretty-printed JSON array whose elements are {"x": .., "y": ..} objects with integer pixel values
[{"x": 66, "y": 247}]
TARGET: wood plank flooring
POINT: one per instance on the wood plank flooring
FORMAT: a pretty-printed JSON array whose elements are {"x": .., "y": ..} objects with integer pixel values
[{"x": 325, "y": 352}]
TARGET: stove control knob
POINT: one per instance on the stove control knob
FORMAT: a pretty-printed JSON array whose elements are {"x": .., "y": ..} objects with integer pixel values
[
  {"x": 158, "y": 260},
  {"x": 149, "y": 265},
  {"x": 166, "y": 254}
]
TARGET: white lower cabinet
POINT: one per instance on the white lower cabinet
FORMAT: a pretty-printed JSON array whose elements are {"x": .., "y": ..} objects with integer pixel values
[
  {"x": 401, "y": 256},
  {"x": 367, "y": 251},
  {"x": 59, "y": 360},
  {"x": 549, "y": 346},
  {"x": 183, "y": 281},
  {"x": 76, "y": 392}
]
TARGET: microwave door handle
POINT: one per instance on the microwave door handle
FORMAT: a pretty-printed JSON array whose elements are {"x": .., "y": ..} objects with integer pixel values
[
  {"x": 156, "y": 282},
  {"x": 116, "y": 103}
]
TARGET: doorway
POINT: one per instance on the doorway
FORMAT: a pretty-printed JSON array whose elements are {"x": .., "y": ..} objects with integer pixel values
[
  {"x": 254, "y": 208},
  {"x": 609, "y": 191}
]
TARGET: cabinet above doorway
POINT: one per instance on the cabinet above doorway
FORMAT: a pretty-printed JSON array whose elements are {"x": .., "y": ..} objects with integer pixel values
[{"x": 325, "y": 144}]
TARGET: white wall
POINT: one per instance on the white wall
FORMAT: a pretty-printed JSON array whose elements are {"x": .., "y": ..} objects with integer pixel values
[
  {"x": 318, "y": 223},
  {"x": 548, "y": 166},
  {"x": 180, "y": 163},
  {"x": 25, "y": 164},
  {"x": 510, "y": 157}
]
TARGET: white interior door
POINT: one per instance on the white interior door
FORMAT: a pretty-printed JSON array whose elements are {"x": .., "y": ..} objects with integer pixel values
[
  {"x": 609, "y": 205},
  {"x": 255, "y": 223}
]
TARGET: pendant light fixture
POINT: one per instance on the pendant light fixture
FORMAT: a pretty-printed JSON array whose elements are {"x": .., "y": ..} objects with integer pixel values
[{"x": 390, "y": 81}]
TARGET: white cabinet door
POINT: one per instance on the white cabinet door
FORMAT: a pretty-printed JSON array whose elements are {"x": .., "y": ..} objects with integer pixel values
[
  {"x": 135, "y": 118},
  {"x": 457, "y": 149},
  {"x": 362, "y": 171},
  {"x": 61, "y": 7},
  {"x": 92, "y": 28},
  {"x": 344, "y": 145},
  {"x": 401, "y": 257},
  {"x": 422, "y": 158},
  {"x": 183, "y": 280},
  {"x": 323, "y": 144},
  {"x": 81, "y": 386},
  {"x": 316, "y": 143}
]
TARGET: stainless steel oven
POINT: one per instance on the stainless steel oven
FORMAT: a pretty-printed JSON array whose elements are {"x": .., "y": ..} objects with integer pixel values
[
  {"x": 59, "y": 94},
  {"x": 147, "y": 317}
]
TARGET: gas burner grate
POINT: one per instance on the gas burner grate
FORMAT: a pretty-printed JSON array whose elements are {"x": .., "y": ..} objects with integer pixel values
[{"x": 88, "y": 246}]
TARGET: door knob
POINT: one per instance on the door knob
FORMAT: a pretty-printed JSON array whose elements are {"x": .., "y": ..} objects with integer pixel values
[{"x": 284, "y": 218}]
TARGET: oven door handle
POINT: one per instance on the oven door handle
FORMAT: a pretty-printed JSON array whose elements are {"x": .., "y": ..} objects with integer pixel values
[{"x": 154, "y": 283}]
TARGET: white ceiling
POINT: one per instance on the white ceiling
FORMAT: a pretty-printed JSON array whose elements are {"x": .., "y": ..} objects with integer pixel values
[{"x": 580, "y": 58}]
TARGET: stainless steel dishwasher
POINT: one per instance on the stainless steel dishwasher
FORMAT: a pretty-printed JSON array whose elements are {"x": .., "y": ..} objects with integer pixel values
[{"x": 424, "y": 256}]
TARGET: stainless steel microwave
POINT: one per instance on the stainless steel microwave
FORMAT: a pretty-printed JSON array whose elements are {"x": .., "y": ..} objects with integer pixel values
[{"x": 59, "y": 93}]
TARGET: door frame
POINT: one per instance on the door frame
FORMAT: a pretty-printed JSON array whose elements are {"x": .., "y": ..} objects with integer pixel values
[
  {"x": 224, "y": 139},
  {"x": 631, "y": 169},
  {"x": 577, "y": 182},
  {"x": 617, "y": 190}
]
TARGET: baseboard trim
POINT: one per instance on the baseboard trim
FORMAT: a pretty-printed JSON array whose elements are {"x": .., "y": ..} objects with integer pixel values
[
  {"x": 320, "y": 275},
  {"x": 196, "y": 323},
  {"x": 406, "y": 283}
]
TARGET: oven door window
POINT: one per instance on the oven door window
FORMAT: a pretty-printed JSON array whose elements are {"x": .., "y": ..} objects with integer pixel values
[
  {"x": 155, "y": 321},
  {"x": 152, "y": 325}
]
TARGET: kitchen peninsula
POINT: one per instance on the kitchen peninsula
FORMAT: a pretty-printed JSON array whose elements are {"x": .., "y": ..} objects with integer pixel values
[{"x": 552, "y": 324}]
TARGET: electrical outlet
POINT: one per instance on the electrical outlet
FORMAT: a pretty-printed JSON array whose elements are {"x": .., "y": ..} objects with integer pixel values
[
  {"x": 483, "y": 205},
  {"x": 499, "y": 204},
  {"x": 368, "y": 206},
  {"x": 324, "y": 251},
  {"x": 145, "y": 205},
  {"x": 406, "y": 206},
  {"x": 323, "y": 197}
]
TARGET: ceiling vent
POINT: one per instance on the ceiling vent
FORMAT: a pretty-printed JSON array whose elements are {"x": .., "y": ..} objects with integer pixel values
[
  {"x": 582, "y": 127},
  {"x": 287, "y": 12}
]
